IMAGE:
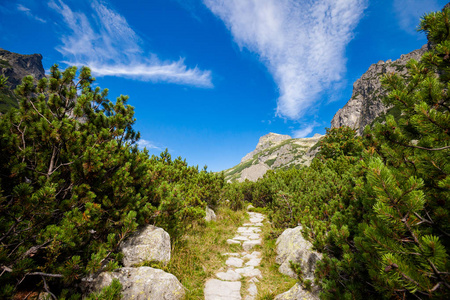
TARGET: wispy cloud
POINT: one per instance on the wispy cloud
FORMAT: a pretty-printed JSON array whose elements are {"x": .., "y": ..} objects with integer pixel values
[
  {"x": 302, "y": 43},
  {"x": 409, "y": 12},
  {"x": 27, "y": 11},
  {"x": 103, "y": 40},
  {"x": 147, "y": 144},
  {"x": 304, "y": 132}
]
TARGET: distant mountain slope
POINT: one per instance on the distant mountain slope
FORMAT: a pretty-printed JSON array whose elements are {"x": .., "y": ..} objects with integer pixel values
[
  {"x": 273, "y": 151},
  {"x": 16, "y": 66},
  {"x": 366, "y": 105}
]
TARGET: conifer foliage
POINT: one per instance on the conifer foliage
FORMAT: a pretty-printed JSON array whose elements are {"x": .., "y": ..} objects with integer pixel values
[
  {"x": 378, "y": 206},
  {"x": 74, "y": 184}
]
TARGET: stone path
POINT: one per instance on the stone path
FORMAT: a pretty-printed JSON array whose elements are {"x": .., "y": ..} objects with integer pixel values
[{"x": 243, "y": 265}]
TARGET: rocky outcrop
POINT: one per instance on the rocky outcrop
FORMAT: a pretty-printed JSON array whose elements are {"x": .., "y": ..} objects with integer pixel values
[
  {"x": 273, "y": 151},
  {"x": 147, "y": 244},
  {"x": 366, "y": 105},
  {"x": 141, "y": 283},
  {"x": 16, "y": 66},
  {"x": 292, "y": 247},
  {"x": 265, "y": 142}
]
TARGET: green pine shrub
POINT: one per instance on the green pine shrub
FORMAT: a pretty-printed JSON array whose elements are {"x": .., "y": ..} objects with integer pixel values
[{"x": 74, "y": 185}]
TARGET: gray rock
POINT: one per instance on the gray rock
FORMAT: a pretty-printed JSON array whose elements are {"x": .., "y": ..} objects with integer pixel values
[
  {"x": 231, "y": 241},
  {"x": 234, "y": 262},
  {"x": 298, "y": 293},
  {"x": 229, "y": 275},
  {"x": 273, "y": 151},
  {"x": 141, "y": 283},
  {"x": 149, "y": 243},
  {"x": 291, "y": 246},
  {"x": 248, "y": 245},
  {"x": 210, "y": 215},
  {"x": 222, "y": 290},
  {"x": 249, "y": 271},
  {"x": 366, "y": 105},
  {"x": 265, "y": 142},
  {"x": 16, "y": 66}
]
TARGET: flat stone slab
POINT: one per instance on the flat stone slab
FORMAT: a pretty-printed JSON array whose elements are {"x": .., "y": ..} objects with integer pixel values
[
  {"x": 234, "y": 262},
  {"x": 230, "y": 254},
  {"x": 248, "y": 245},
  {"x": 231, "y": 241},
  {"x": 249, "y": 272},
  {"x": 252, "y": 290},
  {"x": 253, "y": 262},
  {"x": 229, "y": 275},
  {"x": 254, "y": 236},
  {"x": 240, "y": 238},
  {"x": 253, "y": 224},
  {"x": 254, "y": 254},
  {"x": 222, "y": 290},
  {"x": 248, "y": 229}
]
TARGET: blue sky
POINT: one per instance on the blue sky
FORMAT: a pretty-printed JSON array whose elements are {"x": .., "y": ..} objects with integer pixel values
[{"x": 207, "y": 78}]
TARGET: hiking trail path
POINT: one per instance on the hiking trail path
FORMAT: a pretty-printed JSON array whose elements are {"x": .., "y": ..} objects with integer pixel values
[{"x": 243, "y": 265}]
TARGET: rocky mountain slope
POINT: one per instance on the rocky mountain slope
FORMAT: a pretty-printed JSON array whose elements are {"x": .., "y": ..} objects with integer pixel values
[
  {"x": 273, "y": 151},
  {"x": 16, "y": 66},
  {"x": 366, "y": 105}
]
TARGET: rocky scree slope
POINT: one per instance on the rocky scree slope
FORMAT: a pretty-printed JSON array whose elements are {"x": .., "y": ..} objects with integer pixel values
[
  {"x": 365, "y": 105},
  {"x": 16, "y": 66},
  {"x": 273, "y": 151}
]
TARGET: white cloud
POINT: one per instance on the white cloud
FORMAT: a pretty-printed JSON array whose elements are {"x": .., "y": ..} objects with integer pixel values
[
  {"x": 301, "y": 133},
  {"x": 302, "y": 43},
  {"x": 105, "y": 42},
  {"x": 409, "y": 12},
  {"x": 27, "y": 11},
  {"x": 147, "y": 144}
]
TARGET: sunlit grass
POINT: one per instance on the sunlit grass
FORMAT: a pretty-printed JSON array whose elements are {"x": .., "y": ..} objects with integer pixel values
[{"x": 197, "y": 256}]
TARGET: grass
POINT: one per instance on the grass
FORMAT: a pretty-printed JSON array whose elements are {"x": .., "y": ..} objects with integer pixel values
[
  {"x": 273, "y": 282},
  {"x": 197, "y": 256}
]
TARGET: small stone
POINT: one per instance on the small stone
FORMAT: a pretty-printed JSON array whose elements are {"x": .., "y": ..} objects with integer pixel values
[
  {"x": 252, "y": 290},
  {"x": 253, "y": 262},
  {"x": 234, "y": 262},
  {"x": 248, "y": 245},
  {"x": 249, "y": 272},
  {"x": 229, "y": 275},
  {"x": 253, "y": 279},
  {"x": 231, "y": 241},
  {"x": 240, "y": 238},
  {"x": 221, "y": 290},
  {"x": 230, "y": 254},
  {"x": 254, "y": 236},
  {"x": 210, "y": 215},
  {"x": 252, "y": 224},
  {"x": 255, "y": 254}
]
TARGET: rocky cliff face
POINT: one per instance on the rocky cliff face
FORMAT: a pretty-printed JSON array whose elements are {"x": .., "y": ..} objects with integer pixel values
[
  {"x": 366, "y": 105},
  {"x": 273, "y": 151},
  {"x": 16, "y": 66}
]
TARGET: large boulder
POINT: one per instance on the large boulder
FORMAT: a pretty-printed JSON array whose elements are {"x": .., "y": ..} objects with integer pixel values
[
  {"x": 210, "y": 215},
  {"x": 140, "y": 283},
  {"x": 150, "y": 243},
  {"x": 291, "y": 246},
  {"x": 298, "y": 293}
]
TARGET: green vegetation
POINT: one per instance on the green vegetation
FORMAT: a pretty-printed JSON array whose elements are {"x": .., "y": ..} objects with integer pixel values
[
  {"x": 74, "y": 184},
  {"x": 198, "y": 255},
  {"x": 7, "y": 98},
  {"x": 4, "y": 63},
  {"x": 377, "y": 206}
]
